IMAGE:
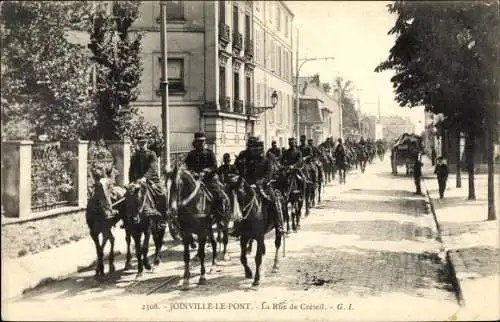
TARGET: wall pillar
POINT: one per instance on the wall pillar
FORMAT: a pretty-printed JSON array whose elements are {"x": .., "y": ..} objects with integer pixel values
[
  {"x": 120, "y": 150},
  {"x": 16, "y": 178},
  {"x": 79, "y": 149}
]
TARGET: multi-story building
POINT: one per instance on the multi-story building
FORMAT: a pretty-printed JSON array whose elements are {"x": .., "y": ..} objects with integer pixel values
[
  {"x": 319, "y": 112},
  {"x": 215, "y": 72},
  {"x": 272, "y": 23},
  {"x": 210, "y": 70}
]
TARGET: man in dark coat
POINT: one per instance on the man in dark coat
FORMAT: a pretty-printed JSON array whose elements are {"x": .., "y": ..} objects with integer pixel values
[
  {"x": 202, "y": 161},
  {"x": 226, "y": 169},
  {"x": 144, "y": 168},
  {"x": 441, "y": 171},
  {"x": 417, "y": 174},
  {"x": 244, "y": 155},
  {"x": 315, "y": 152},
  {"x": 304, "y": 148},
  {"x": 274, "y": 150},
  {"x": 258, "y": 173},
  {"x": 340, "y": 155}
]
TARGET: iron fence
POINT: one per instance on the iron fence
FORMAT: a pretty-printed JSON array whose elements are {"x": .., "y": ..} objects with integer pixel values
[{"x": 52, "y": 171}]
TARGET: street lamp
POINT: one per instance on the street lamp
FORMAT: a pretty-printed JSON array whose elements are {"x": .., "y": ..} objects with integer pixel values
[{"x": 254, "y": 110}]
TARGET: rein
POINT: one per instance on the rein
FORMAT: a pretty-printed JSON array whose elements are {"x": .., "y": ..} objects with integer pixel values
[
  {"x": 249, "y": 207},
  {"x": 192, "y": 195}
]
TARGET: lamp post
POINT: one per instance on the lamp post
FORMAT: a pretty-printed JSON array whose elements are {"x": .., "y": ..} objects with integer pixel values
[
  {"x": 165, "y": 111},
  {"x": 254, "y": 110}
]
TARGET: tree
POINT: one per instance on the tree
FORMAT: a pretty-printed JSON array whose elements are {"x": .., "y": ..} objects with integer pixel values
[
  {"x": 428, "y": 35},
  {"x": 44, "y": 77},
  {"x": 116, "y": 53},
  {"x": 344, "y": 91}
]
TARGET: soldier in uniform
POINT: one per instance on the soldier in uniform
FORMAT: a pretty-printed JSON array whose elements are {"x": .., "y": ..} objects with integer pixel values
[
  {"x": 202, "y": 161},
  {"x": 244, "y": 155},
  {"x": 258, "y": 172},
  {"x": 314, "y": 150},
  {"x": 304, "y": 148},
  {"x": 293, "y": 157},
  {"x": 226, "y": 169},
  {"x": 274, "y": 150},
  {"x": 144, "y": 167}
]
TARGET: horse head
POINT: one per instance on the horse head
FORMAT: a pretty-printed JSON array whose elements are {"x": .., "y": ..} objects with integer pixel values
[
  {"x": 134, "y": 198},
  {"x": 183, "y": 189},
  {"x": 102, "y": 196}
]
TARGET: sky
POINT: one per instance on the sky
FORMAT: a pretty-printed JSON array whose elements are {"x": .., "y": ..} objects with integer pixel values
[{"x": 355, "y": 33}]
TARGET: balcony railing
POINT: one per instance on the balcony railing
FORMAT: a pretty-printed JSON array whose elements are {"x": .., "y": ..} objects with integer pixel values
[
  {"x": 249, "y": 48},
  {"x": 224, "y": 33},
  {"x": 237, "y": 40},
  {"x": 238, "y": 106},
  {"x": 225, "y": 103}
]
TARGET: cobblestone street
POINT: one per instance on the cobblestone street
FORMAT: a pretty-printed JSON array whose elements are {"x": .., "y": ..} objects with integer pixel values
[{"x": 362, "y": 254}]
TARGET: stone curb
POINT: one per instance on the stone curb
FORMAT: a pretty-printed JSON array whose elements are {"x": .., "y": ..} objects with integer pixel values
[{"x": 444, "y": 252}]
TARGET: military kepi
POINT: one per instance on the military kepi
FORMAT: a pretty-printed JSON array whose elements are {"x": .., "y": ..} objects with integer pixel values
[
  {"x": 199, "y": 136},
  {"x": 141, "y": 138}
]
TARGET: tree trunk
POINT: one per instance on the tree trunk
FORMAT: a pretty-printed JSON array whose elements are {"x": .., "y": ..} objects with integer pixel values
[
  {"x": 491, "y": 170},
  {"x": 457, "y": 158},
  {"x": 470, "y": 165}
]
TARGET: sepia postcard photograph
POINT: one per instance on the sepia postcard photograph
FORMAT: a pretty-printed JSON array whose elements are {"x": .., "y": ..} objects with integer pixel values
[{"x": 239, "y": 160}]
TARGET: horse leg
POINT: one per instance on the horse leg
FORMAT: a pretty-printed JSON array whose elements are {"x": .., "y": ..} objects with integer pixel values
[
  {"x": 243, "y": 256},
  {"x": 261, "y": 250},
  {"x": 128, "y": 265},
  {"x": 138, "y": 253},
  {"x": 99, "y": 270},
  {"x": 158, "y": 236},
  {"x": 111, "y": 252},
  {"x": 249, "y": 246},
  {"x": 277, "y": 245},
  {"x": 201, "y": 255},
  {"x": 294, "y": 215},
  {"x": 145, "y": 248},
  {"x": 186, "y": 240},
  {"x": 287, "y": 218}
]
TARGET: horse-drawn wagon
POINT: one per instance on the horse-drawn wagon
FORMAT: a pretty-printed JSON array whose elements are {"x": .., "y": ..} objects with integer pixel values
[{"x": 404, "y": 152}]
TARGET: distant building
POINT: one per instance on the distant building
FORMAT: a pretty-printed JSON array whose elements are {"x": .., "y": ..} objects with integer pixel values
[
  {"x": 319, "y": 112},
  {"x": 272, "y": 23},
  {"x": 394, "y": 126}
]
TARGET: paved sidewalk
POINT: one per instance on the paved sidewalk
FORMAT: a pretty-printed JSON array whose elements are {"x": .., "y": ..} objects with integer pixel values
[
  {"x": 471, "y": 243},
  {"x": 28, "y": 271}
]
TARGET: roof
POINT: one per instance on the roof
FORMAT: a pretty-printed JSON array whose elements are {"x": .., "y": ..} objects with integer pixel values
[{"x": 309, "y": 90}]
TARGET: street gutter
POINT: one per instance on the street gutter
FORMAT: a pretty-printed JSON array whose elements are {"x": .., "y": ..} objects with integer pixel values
[{"x": 443, "y": 249}]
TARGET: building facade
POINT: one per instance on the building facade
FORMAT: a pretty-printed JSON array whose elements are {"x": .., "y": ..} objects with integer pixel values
[
  {"x": 219, "y": 66},
  {"x": 210, "y": 70},
  {"x": 273, "y": 25},
  {"x": 319, "y": 112}
]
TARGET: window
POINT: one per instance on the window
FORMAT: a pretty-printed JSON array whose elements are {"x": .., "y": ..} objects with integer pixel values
[
  {"x": 236, "y": 26},
  {"x": 278, "y": 18},
  {"x": 286, "y": 26},
  {"x": 248, "y": 89},
  {"x": 222, "y": 11},
  {"x": 175, "y": 73},
  {"x": 248, "y": 28},
  {"x": 279, "y": 61},
  {"x": 258, "y": 102},
  {"x": 236, "y": 86},
  {"x": 175, "y": 11},
  {"x": 222, "y": 81}
]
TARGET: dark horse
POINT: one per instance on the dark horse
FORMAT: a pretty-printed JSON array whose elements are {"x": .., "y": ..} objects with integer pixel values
[
  {"x": 292, "y": 190},
  {"x": 311, "y": 173},
  {"x": 256, "y": 222},
  {"x": 190, "y": 200},
  {"x": 141, "y": 220},
  {"x": 101, "y": 217}
]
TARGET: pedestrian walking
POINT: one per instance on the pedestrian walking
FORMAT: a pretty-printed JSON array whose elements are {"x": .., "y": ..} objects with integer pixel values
[
  {"x": 441, "y": 170},
  {"x": 417, "y": 174}
]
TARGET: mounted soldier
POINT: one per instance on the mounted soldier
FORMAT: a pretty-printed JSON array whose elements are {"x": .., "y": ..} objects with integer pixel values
[
  {"x": 315, "y": 150},
  {"x": 226, "y": 169},
  {"x": 274, "y": 150},
  {"x": 202, "y": 161},
  {"x": 304, "y": 148},
  {"x": 144, "y": 168},
  {"x": 258, "y": 172}
]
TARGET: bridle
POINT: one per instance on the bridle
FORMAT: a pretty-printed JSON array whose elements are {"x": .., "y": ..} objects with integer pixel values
[
  {"x": 184, "y": 202},
  {"x": 251, "y": 204}
]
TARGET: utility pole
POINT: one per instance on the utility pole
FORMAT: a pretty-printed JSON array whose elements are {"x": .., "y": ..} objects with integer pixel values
[
  {"x": 165, "y": 111},
  {"x": 297, "y": 103}
]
